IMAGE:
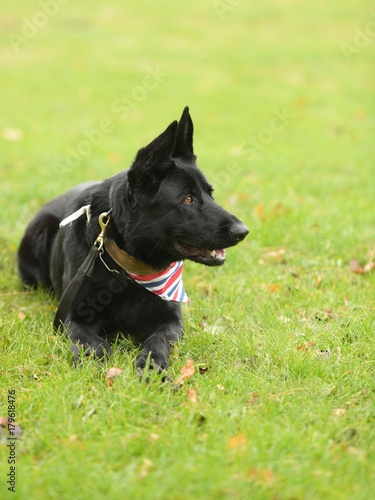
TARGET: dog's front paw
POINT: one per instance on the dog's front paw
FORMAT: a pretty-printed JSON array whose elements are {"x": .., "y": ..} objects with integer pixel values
[
  {"x": 154, "y": 361},
  {"x": 95, "y": 349},
  {"x": 159, "y": 364},
  {"x": 154, "y": 356}
]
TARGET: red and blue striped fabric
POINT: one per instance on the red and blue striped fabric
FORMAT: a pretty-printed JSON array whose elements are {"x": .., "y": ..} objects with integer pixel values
[{"x": 166, "y": 284}]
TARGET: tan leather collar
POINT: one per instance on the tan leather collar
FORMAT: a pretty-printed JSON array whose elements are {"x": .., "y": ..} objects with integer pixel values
[{"x": 126, "y": 261}]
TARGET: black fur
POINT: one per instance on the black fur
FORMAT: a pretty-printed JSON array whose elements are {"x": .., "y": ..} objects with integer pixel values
[{"x": 162, "y": 211}]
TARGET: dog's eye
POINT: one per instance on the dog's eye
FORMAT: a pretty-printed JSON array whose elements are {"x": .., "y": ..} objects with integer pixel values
[{"x": 188, "y": 200}]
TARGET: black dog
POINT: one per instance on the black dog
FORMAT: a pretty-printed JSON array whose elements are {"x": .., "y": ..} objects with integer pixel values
[{"x": 153, "y": 216}]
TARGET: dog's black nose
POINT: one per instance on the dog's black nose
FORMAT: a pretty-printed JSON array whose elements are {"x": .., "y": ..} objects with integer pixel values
[{"x": 239, "y": 232}]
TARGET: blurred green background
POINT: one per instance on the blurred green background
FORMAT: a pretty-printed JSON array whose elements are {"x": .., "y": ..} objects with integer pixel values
[{"x": 233, "y": 63}]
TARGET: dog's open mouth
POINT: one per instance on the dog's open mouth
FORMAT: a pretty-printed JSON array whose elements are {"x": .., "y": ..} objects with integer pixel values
[{"x": 201, "y": 255}]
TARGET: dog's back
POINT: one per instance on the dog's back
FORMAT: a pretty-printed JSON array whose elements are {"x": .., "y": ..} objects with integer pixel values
[{"x": 34, "y": 254}]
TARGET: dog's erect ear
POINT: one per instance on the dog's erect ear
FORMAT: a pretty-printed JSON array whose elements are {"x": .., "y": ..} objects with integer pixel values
[
  {"x": 152, "y": 162},
  {"x": 183, "y": 146},
  {"x": 161, "y": 147}
]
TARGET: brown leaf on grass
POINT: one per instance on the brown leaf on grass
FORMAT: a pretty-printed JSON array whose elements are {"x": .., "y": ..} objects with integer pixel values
[
  {"x": 111, "y": 374},
  {"x": 325, "y": 315},
  {"x": 370, "y": 266},
  {"x": 274, "y": 288},
  {"x": 238, "y": 442},
  {"x": 21, "y": 316},
  {"x": 191, "y": 395},
  {"x": 275, "y": 254},
  {"x": 72, "y": 438},
  {"x": 357, "y": 268},
  {"x": 145, "y": 468},
  {"x": 264, "y": 476},
  {"x": 339, "y": 412},
  {"x": 187, "y": 372},
  {"x": 329, "y": 314},
  {"x": 306, "y": 346},
  {"x": 153, "y": 437},
  {"x": 259, "y": 210},
  {"x": 253, "y": 399}
]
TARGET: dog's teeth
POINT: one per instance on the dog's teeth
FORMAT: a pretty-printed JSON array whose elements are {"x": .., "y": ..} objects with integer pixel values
[{"x": 213, "y": 253}]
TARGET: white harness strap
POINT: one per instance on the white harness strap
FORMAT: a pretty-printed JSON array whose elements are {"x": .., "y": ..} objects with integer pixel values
[{"x": 86, "y": 209}]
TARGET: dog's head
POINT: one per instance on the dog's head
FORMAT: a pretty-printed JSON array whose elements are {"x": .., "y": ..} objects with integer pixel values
[{"x": 171, "y": 211}]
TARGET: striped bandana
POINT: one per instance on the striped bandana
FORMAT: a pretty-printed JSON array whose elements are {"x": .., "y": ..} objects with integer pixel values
[{"x": 166, "y": 284}]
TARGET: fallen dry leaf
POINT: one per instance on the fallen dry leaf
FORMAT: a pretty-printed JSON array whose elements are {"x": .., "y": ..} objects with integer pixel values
[
  {"x": 278, "y": 256},
  {"x": 145, "y": 468},
  {"x": 370, "y": 266},
  {"x": 274, "y": 288},
  {"x": 339, "y": 412},
  {"x": 191, "y": 395},
  {"x": 259, "y": 210},
  {"x": 253, "y": 399},
  {"x": 187, "y": 371},
  {"x": 275, "y": 254},
  {"x": 72, "y": 439},
  {"x": 306, "y": 346},
  {"x": 153, "y": 437},
  {"x": 325, "y": 315},
  {"x": 357, "y": 268},
  {"x": 238, "y": 442},
  {"x": 111, "y": 374},
  {"x": 264, "y": 476},
  {"x": 21, "y": 316}
]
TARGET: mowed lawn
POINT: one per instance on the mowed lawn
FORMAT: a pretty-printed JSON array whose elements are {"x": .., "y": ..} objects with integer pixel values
[{"x": 281, "y": 404}]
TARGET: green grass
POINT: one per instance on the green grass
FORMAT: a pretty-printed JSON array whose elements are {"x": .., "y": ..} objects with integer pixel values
[{"x": 283, "y": 333}]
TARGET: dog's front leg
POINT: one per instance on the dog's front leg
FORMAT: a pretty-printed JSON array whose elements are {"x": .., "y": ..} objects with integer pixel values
[
  {"x": 157, "y": 347},
  {"x": 85, "y": 338}
]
